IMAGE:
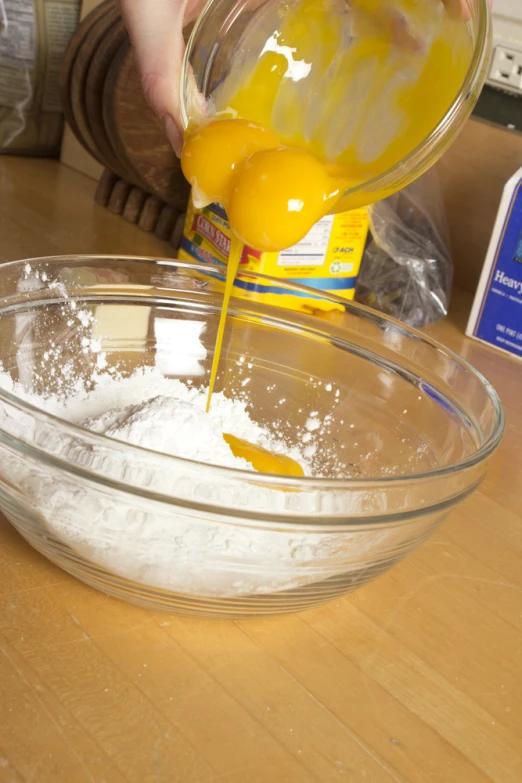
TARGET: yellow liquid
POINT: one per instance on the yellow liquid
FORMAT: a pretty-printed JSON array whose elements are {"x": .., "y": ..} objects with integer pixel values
[
  {"x": 310, "y": 112},
  {"x": 307, "y": 116},
  {"x": 236, "y": 249},
  {"x": 359, "y": 108},
  {"x": 261, "y": 459}
]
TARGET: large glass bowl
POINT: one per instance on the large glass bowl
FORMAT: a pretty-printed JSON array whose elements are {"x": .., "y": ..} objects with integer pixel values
[
  {"x": 408, "y": 429},
  {"x": 216, "y": 39}
]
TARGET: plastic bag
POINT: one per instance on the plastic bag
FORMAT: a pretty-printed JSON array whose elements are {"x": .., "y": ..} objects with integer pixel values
[
  {"x": 33, "y": 38},
  {"x": 407, "y": 269}
]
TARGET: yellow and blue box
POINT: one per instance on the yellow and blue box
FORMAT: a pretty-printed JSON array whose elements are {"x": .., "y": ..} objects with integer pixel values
[{"x": 327, "y": 259}]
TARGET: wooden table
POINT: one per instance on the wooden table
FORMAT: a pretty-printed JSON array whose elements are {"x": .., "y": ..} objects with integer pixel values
[{"x": 414, "y": 679}]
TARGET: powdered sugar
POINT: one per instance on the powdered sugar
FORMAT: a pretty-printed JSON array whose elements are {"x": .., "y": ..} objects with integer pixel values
[
  {"x": 163, "y": 547},
  {"x": 167, "y": 524},
  {"x": 174, "y": 546},
  {"x": 171, "y": 426},
  {"x": 162, "y": 414}
]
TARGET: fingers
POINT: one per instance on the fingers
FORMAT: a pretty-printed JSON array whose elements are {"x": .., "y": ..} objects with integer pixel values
[{"x": 155, "y": 28}]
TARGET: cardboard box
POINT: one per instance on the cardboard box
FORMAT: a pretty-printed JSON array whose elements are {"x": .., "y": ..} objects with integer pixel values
[
  {"x": 496, "y": 316},
  {"x": 327, "y": 259}
]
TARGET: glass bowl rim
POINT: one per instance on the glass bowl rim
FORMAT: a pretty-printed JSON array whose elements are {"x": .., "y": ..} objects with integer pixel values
[
  {"x": 305, "y": 483},
  {"x": 430, "y": 149}
]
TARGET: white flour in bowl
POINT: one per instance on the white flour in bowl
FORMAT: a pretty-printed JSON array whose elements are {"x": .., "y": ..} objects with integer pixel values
[
  {"x": 167, "y": 546},
  {"x": 175, "y": 426},
  {"x": 184, "y": 528},
  {"x": 180, "y": 546}
]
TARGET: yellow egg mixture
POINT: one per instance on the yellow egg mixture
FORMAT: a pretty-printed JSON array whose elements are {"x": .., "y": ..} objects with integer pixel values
[{"x": 330, "y": 101}]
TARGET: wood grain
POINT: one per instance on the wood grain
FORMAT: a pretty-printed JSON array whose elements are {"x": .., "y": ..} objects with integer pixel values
[
  {"x": 119, "y": 196},
  {"x": 69, "y": 58},
  {"x": 134, "y": 205},
  {"x": 84, "y": 55},
  {"x": 93, "y": 94},
  {"x": 29, "y": 226},
  {"x": 413, "y": 679},
  {"x": 137, "y": 135},
  {"x": 104, "y": 188},
  {"x": 177, "y": 232},
  {"x": 150, "y": 213},
  {"x": 166, "y": 222},
  {"x": 73, "y": 154}
]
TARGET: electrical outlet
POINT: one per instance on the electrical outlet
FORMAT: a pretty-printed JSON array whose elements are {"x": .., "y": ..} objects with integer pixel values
[{"x": 506, "y": 69}]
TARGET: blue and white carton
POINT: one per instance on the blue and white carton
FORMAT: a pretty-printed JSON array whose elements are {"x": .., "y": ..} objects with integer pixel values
[{"x": 496, "y": 317}]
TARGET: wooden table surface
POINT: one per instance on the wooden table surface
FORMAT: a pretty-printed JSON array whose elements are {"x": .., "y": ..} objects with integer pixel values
[{"x": 414, "y": 679}]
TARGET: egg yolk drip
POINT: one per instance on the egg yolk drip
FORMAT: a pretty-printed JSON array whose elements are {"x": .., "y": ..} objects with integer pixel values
[
  {"x": 273, "y": 196},
  {"x": 261, "y": 459}
]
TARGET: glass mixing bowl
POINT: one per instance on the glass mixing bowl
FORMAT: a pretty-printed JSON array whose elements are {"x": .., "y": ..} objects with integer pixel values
[
  {"x": 216, "y": 45},
  {"x": 406, "y": 431}
]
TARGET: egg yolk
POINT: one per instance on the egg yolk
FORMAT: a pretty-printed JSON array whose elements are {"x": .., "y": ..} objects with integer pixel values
[
  {"x": 277, "y": 196},
  {"x": 273, "y": 195},
  {"x": 212, "y": 154},
  {"x": 261, "y": 459}
]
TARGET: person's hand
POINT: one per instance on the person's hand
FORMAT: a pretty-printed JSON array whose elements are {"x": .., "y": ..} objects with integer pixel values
[
  {"x": 155, "y": 28},
  {"x": 156, "y": 31}
]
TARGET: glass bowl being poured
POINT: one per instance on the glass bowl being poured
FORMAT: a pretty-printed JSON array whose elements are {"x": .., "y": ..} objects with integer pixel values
[
  {"x": 397, "y": 430},
  {"x": 375, "y": 90}
]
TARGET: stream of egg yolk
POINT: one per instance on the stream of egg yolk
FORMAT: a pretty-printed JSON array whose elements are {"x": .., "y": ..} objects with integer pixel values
[
  {"x": 261, "y": 459},
  {"x": 273, "y": 196}
]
